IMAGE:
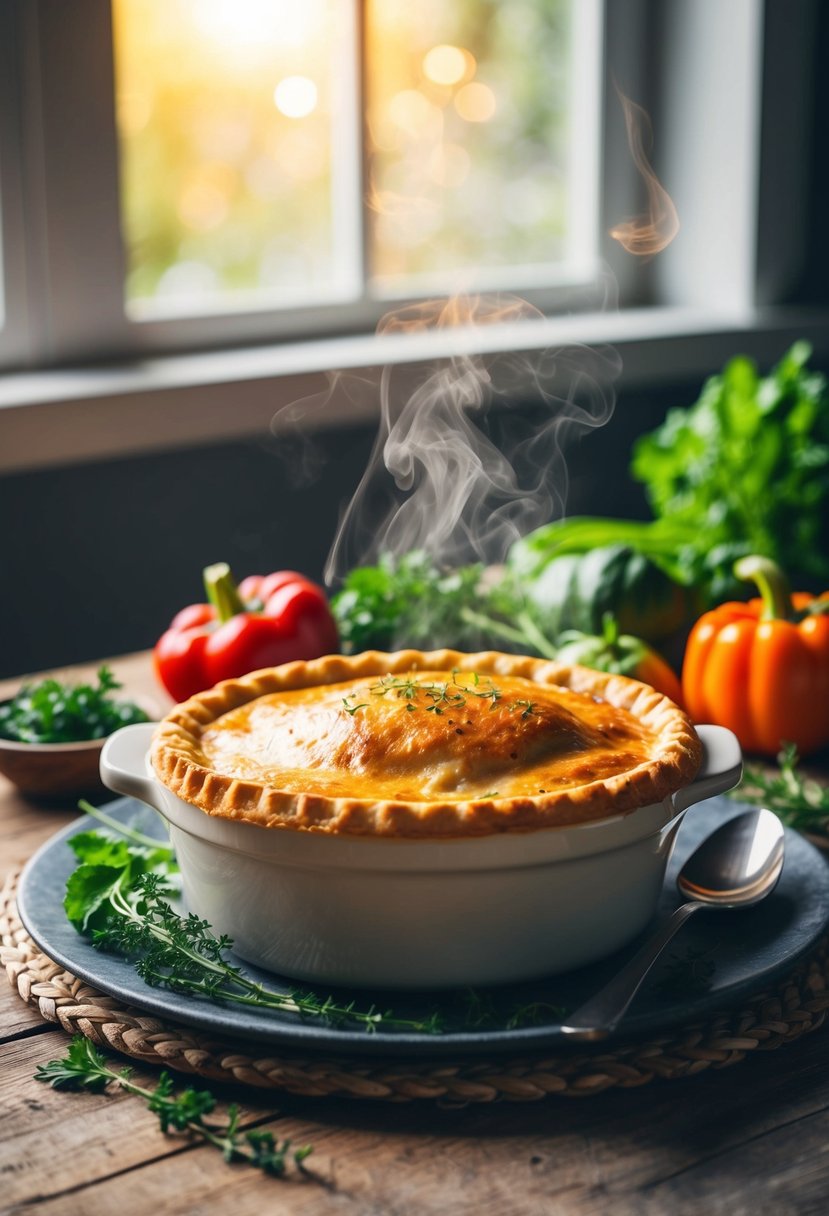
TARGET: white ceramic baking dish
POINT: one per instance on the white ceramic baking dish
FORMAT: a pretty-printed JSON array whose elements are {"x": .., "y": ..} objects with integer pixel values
[{"x": 396, "y": 913}]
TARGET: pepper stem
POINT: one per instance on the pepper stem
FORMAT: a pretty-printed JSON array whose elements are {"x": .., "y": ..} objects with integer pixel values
[
  {"x": 610, "y": 631},
  {"x": 222, "y": 592},
  {"x": 771, "y": 583}
]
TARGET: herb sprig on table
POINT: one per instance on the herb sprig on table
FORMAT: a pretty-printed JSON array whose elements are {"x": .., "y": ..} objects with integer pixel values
[
  {"x": 83, "y": 1067},
  {"x": 800, "y": 802},
  {"x": 52, "y": 712}
]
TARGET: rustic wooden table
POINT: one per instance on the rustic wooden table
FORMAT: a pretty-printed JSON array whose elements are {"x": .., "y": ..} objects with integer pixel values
[{"x": 749, "y": 1139}]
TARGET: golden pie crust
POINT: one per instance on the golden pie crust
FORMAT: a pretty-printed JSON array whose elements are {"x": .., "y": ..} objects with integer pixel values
[{"x": 425, "y": 744}]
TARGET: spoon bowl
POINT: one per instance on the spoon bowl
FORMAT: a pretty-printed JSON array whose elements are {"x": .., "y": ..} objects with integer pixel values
[{"x": 738, "y": 865}]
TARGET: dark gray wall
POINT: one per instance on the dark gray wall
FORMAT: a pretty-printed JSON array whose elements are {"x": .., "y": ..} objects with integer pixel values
[{"x": 95, "y": 559}]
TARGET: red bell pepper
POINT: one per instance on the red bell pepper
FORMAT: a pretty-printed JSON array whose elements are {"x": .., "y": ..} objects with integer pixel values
[{"x": 266, "y": 621}]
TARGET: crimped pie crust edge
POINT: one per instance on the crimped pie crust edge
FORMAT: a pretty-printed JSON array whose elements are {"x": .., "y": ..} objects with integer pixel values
[{"x": 180, "y": 764}]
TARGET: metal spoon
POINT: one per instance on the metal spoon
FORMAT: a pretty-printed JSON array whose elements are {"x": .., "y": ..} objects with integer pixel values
[{"x": 736, "y": 866}]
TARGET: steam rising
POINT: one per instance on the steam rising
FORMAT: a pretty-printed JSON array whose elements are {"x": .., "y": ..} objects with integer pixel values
[
  {"x": 459, "y": 468},
  {"x": 472, "y": 455},
  {"x": 645, "y": 235}
]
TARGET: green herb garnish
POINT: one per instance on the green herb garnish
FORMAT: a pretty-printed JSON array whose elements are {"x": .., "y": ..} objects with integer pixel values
[
  {"x": 437, "y": 698},
  {"x": 51, "y": 712},
  {"x": 411, "y": 601},
  {"x": 799, "y": 802},
  {"x": 83, "y": 1067},
  {"x": 119, "y": 897},
  {"x": 116, "y": 896},
  {"x": 482, "y": 1012}
]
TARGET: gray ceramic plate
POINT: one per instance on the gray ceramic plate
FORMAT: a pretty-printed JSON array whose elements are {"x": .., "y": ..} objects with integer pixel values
[{"x": 719, "y": 959}]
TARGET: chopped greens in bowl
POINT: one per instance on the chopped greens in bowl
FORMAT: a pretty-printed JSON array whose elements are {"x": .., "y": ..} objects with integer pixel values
[{"x": 52, "y": 712}]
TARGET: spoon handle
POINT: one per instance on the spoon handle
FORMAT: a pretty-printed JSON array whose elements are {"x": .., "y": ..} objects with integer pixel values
[{"x": 596, "y": 1018}]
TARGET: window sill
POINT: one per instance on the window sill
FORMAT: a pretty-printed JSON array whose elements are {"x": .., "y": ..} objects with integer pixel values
[{"x": 81, "y": 415}]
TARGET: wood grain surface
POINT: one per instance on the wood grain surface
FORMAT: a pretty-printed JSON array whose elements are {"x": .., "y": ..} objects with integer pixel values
[{"x": 751, "y": 1139}]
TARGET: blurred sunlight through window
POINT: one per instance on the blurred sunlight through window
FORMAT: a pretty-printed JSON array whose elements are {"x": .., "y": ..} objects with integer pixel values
[
  {"x": 250, "y": 178},
  {"x": 470, "y": 116}
]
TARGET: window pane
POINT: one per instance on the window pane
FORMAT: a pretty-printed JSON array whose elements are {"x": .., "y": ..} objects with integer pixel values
[
  {"x": 482, "y": 123},
  {"x": 228, "y": 114}
]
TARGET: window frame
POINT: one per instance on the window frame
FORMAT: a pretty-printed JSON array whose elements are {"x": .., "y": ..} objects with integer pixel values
[
  {"x": 14, "y": 293},
  {"x": 79, "y": 401}
]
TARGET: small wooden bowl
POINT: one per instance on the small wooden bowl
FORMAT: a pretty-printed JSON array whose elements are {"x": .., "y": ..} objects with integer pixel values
[{"x": 50, "y": 771}]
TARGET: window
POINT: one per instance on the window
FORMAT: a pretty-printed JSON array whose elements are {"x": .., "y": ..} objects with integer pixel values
[
  {"x": 226, "y": 170},
  {"x": 240, "y": 133},
  {"x": 246, "y": 187}
]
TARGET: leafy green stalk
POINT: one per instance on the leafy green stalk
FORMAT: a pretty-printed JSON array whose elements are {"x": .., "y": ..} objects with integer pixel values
[
  {"x": 120, "y": 829},
  {"x": 746, "y": 469},
  {"x": 83, "y": 1067}
]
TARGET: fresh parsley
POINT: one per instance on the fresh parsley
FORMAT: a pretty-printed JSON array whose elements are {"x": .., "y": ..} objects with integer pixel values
[
  {"x": 52, "y": 712},
  {"x": 83, "y": 1067}
]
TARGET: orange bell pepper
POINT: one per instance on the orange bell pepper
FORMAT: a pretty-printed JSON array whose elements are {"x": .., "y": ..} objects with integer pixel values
[{"x": 762, "y": 668}]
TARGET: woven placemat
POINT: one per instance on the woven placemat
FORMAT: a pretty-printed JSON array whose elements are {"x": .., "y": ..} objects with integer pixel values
[{"x": 770, "y": 1019}]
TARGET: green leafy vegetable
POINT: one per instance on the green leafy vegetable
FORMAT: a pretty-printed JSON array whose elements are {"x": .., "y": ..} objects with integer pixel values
[
  {"x": 799, "y": 802},
  {"x": 410, "y": 601},
  {"x": 51, "y": 712},
  {"x": 747, "y": 467},
  {"x": 83, "y": 1067},
  {"x": 743, "y": 470},
  {"x": 575, "y": 590}
]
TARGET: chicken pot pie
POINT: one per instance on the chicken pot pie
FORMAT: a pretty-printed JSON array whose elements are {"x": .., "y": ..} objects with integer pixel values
[
  {"x": 424, "y": 744},
  {"x": 416, "y": 744}
]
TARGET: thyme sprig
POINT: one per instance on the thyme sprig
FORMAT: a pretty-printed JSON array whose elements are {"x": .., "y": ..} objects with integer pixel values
[
  {"x": 449, "y": 695},
  {"x": 800, "y": 802},
  {"x": 83, "y": 1067}
]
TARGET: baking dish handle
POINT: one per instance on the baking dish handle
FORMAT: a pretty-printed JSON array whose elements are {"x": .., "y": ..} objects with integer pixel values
[
  {"x": 124, "y": 764},
  {"x": 721, "y": 769}
]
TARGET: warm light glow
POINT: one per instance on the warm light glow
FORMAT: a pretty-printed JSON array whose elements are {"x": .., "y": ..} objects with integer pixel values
[
  {"x": 410, "y": 111},
  {"x": 449, "y": 165},
  {"x": 202, "y": 206},
  {"x": 476, "y": 102},
  {"x": 248, "y": 24},
  {"x": 295, "y": 96},
  {"x": 447, "y": 64}
]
